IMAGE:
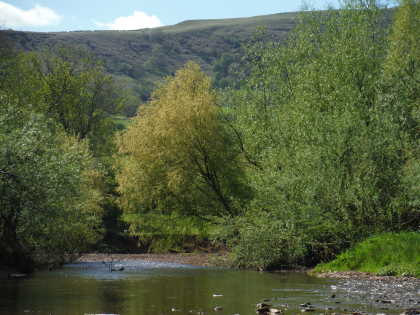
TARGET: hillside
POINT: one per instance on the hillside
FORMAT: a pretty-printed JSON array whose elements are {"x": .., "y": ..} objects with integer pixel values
[{"x": 149, "y": 54}]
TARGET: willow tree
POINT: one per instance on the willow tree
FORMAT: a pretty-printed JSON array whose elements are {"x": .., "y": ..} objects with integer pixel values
[
  {"x": 400, "y": 101},
  {"x": 324, "y": 163},
  {"x": 401, "y": 77},
  {"x": 176, "y": 158}
]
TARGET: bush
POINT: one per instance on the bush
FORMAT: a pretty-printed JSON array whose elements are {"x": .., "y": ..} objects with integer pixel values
[
  {"x": 266, "y": 244},
  {"x": 50, "y": 192}
]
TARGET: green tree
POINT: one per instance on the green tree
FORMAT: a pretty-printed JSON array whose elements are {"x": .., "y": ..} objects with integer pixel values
[
  {"x": 401, "y": 71},
  {"x": 324, "y": 163},
  {"x": 50, "y": 192},
  {"x": 400, "y": 102},
  {"x": 79, "y": 94},
  {"x": 70, "y": 86}
]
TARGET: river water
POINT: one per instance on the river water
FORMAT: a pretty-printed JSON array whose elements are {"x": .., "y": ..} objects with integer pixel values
[{"x": 147, "y": 288}]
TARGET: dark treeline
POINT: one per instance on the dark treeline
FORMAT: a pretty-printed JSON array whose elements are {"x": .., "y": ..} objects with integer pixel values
[{"x": 310, "y": 148}]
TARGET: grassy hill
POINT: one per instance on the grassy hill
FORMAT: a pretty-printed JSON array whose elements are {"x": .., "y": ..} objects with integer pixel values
[{"x": 146, "y": 55}]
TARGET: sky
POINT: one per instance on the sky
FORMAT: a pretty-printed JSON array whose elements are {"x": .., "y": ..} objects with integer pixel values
[{"x": 72, "y": 15}]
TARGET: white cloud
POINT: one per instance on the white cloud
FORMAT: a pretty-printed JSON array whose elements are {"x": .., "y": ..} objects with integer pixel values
[
  {"x": 133, "y": 22},
  {"x": 11, "y": 16}
]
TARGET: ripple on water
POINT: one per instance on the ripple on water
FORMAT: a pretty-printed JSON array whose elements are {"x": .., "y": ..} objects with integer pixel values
[
  {"x": 132, "y": 269},
  {"x": 145, "y": 288}
]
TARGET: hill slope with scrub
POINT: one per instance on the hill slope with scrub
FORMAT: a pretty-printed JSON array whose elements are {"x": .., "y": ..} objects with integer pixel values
[{"x": 146, "y": 55}]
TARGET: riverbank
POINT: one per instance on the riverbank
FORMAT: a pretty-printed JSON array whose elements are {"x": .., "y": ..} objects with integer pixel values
[
  {"x": 222, "y": 259},
  {"x": 363, "y": 276},
  {"x": 387, "y": 254},
  {"x": 195, "y": 259},
  {"x": 383, "y": 292}
]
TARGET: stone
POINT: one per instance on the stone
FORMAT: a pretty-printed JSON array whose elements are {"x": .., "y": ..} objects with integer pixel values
[
  {"x": 117, "y": 267},
  {"x": 263, "y": 308},
  {"x": 412, "y": 311},
  {"x": 17, "y": 275}
]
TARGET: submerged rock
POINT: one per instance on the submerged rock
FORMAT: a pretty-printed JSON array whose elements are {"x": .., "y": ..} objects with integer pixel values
[
  {"x": 308, "y": 309},
  {"x": 17, "y": 275}
]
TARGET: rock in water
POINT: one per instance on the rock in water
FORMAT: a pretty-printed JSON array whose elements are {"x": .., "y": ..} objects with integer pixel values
[
  {"x": 263, "y": 308},
  {"x": 17, "y": 275},
  {"x": 117, "y": 267},
  {"x": 412, "y": 311}
]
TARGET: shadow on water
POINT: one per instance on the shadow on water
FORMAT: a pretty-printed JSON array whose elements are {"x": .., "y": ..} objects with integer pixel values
[{"x": 164, "y": 288}]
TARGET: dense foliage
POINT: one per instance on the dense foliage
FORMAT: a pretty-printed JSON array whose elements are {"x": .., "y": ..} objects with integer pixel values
[
  {"x": 311, "y": 146},
  {"x": 333, "y": 150},
  {"x": 50, "y": 192},
  {"x": 54, "y": 137},
  {"x": 177, "y": 158}
]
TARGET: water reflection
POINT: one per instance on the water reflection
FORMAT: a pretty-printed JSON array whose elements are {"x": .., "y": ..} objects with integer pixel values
[{"x": 148, "y": 288}]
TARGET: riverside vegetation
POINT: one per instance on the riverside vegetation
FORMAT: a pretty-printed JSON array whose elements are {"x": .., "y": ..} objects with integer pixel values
[{"x": 311, "y": 147}]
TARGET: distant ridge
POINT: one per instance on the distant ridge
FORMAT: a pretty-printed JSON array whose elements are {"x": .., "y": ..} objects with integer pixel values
[{"x": 140, "y": 57}]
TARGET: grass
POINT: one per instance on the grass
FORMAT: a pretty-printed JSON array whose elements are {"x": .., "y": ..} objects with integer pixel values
[
  {"x": 120, "y": 121},
  {"x": 389, "y": 254}
]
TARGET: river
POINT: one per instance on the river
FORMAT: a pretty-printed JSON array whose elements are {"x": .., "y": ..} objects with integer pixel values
[{"x": 148, "y": 288}]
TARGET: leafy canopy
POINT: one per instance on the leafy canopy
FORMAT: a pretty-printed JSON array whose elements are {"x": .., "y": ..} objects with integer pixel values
[{"x": 177, "y": 154}]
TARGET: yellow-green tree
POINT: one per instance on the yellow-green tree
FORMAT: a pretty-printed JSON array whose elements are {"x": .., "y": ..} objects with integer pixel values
[{"x": 176, "y": 156}]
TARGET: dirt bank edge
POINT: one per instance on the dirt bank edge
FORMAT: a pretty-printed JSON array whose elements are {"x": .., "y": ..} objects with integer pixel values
[{"x": 362, "y": 275}]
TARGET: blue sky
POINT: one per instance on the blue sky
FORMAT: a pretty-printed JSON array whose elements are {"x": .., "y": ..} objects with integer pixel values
[{"x": 68, "y": 15}]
